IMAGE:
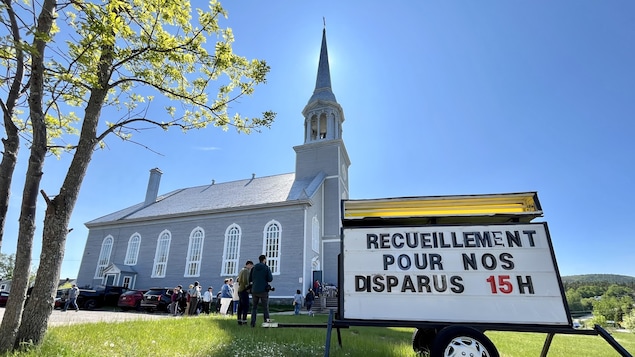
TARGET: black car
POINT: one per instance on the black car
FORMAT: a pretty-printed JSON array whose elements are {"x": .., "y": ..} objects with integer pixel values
[
  {"x": 157, "y": 299},
  {"x": 4, "y": 296},
  {"x": 90, "y": 299}
]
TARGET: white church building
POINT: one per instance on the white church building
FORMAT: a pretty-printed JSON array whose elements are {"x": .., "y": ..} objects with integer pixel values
[{"x": 207, "y": 233}]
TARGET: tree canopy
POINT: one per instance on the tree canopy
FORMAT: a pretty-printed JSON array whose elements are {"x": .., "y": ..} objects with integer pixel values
[{"x": 73, "y": 59}]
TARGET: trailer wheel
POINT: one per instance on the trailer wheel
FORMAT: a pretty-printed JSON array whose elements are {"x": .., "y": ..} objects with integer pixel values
[
  {"x": 462, "y": 341},
  {"x": 422, "y": 339}
]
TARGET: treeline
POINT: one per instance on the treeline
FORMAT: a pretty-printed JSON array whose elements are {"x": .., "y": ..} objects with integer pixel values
[
  {"x": 600, "y": 280},
  {"x": 608, "y": 297}
]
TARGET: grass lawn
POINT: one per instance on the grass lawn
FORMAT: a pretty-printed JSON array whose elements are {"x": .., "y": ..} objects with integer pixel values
[{"x": 218, "y": 336}]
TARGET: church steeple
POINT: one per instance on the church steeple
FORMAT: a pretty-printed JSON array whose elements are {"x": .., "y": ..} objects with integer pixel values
[
  {"x": 323, "y": 116},
  {"x": 323, "y": 89}
]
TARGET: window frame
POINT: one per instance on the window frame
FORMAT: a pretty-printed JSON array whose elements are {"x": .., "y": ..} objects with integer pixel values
[
  {"x": 231, "y": 250},
  {"x": 193, "y": 263},
  {"x": 159, "y": 268},
  {"x": 271, "y": 245},
  {"x": 104, "y": 256},
  {"x": 132, "y": 253}
]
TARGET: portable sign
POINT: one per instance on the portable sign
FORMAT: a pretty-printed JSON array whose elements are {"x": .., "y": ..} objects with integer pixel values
[{"x": 491, "y": 273}]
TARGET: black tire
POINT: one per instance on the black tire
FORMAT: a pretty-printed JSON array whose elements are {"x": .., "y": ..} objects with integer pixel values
[
  {"x": 90, "y": 304},
  {"x": 462, "y": 341},
  {"x": 422, "y": 339}
]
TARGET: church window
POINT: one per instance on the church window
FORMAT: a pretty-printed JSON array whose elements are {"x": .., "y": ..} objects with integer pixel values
[
  {"x": 195, "y": 253},
  {"x": 161, "y": 255},
  {"x": 231, "y": 251},
  {"x": 104, "y": 257},
  {"x": 132, "y": 254},
  {"x": 272, "y": 235},
  {"x": 315, "y": 235}
]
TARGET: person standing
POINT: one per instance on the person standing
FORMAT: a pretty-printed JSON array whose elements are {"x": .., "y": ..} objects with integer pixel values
[
  {"x": 73, "y": 292},
  {"x": 297, "y": 301},
  {"x": 260, "y": 276},
  {"x": 208, "y": 296},
  {"x": 243, "y": 292},
  {"x": 308, "y": 300},
  {"x": 235, "y": 299},
  {"x": 195, "y": 295},
  {"x": 176, "y": 296},
  {"x": 225, "y": 297},
  {"x": 317, "y": 288}
]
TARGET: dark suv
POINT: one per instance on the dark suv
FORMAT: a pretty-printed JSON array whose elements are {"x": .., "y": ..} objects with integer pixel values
[
  {"x": 90, "y": 299},
  {"x": 157, "y": 299}
]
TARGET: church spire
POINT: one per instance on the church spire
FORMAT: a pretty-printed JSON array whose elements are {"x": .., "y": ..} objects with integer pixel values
[{"x": 323, "y": 82}]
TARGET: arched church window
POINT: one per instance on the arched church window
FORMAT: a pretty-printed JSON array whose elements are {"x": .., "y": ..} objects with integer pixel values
[
  {"x": 231, "y": 251},
  {"x": 104, "y": 257},
  {"x": 272, "y": 236},
  {"x": 195, "y": 252},
  {"x": 132, "y": 254},
  {"x": 161, "y": 254}
]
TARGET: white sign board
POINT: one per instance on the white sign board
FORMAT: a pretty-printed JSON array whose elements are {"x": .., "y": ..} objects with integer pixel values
[{"x": 458, "y": 274}]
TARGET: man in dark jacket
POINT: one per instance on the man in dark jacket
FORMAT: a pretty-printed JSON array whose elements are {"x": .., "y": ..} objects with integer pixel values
[
  {"x": 243, "y": 292},
  {"x": 260, "y": 276}
]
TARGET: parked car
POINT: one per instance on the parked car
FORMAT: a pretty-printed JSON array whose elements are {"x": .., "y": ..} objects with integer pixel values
[
  {"x": 100, "y": 296},
  {"x": 131, "y": 299},
  {"x": 157, "y": 299},
  {"x": 4, "y": 295},
  {"x": 60, "y": 298},
  {"x": 90, "y": 299}
]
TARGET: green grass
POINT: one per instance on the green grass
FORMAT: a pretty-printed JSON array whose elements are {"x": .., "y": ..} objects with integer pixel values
[{"x": 218, "y": 336}]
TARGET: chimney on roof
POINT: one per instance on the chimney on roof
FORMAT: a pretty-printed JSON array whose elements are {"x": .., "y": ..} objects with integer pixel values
[
  {"x": 253, "y": 176},
  {"x": 153, "y": 186}
]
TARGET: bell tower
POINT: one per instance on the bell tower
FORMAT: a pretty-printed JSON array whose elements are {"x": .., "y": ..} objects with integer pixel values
[
  {"x": 323, "y": 157},
  {"x": 323, "y": 149}
]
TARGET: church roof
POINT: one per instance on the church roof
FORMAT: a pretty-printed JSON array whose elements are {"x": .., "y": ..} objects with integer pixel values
[{"x": 227, "y": 196}]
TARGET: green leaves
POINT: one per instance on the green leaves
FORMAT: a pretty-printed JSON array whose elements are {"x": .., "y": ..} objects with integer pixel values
[{"x": 156, "y": 48}]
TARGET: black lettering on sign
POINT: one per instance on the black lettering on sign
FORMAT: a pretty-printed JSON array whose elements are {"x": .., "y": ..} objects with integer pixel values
[
  {"x": 389, "y": 259},
  {"x": 362, "y": 283},
  {"x": 488, "y": 261},
  {"x": 371, "y": 241},
  {"x": 525, "y": 284},
  {"x": 391, "y": 282},
  {"x": 457, "y": 286},
  {"x": 378, "y": 280}
]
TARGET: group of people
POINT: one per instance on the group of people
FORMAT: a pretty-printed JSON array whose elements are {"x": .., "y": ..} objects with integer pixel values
[
  {"x": 307, "y": 300},
  {"x": 188, "y": 301},
  {"x": 233, "y": 297}
]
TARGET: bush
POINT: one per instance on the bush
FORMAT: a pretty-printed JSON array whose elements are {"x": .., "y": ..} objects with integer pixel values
[{"x": 629, "y": 321}]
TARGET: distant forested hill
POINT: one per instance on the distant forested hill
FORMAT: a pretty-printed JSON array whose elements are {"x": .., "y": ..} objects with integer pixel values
[{"x": 598, "y": 279}]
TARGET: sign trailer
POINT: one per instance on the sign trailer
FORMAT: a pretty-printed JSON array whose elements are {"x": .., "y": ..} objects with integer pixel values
[{"x": 453, "y": 267}]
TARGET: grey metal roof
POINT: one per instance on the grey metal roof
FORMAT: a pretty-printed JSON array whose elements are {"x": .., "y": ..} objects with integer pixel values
[{"x": 241, "y": 194}]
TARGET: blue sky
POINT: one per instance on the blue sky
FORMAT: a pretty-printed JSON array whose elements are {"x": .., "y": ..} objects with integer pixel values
[{"x": 440, "y": 98}]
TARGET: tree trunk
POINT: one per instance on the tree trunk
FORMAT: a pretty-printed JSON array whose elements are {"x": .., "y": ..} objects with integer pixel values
[
  {"x": 12, "y": 142},
  {"x": 59, "y": 210},
  {"x": 7, "y": 166},
  {"x": 12, "y": 322}
]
